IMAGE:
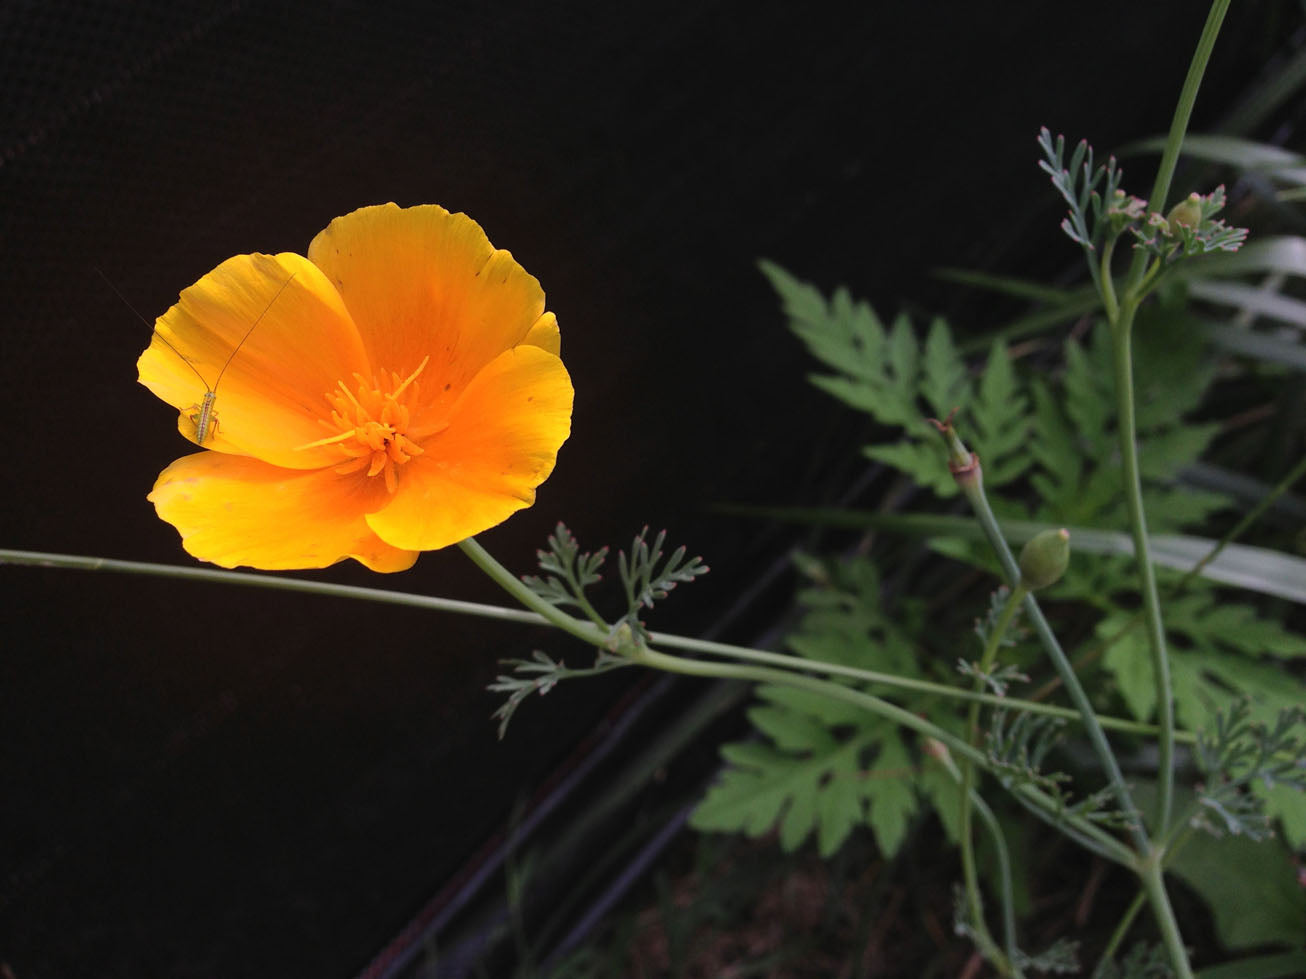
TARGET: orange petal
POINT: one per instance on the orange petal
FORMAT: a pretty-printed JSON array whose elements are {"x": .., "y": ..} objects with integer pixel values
[
  {"x": 234, "y": 510},
  {"x": 421, "y": 282},
  {"x": 544, "y": 334},
  {"x": 501, "y": 443},
  {"x": 269, "y": 345}
]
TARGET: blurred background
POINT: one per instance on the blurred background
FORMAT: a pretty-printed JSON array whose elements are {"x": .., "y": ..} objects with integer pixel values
[{"x": 207, "y": 781}]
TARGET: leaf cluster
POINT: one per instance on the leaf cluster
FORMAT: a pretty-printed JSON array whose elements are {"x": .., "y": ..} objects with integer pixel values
[
  {"x": 1018, "y": 749},
  {"x": 826, "y": 767},
  {"x": 647, "y": 575},
  {"x": 1238, "y": 753},
  {"x": 887, "y": 373},
  {"x": 1084, "y": 187}
]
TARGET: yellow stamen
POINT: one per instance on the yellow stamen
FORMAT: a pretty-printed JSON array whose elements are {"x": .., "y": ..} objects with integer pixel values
[{"x": 370, "y": 424}]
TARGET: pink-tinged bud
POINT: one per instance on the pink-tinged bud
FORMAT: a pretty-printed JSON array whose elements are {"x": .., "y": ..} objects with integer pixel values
[
  {"x": 1187, "y": 212},
  {"x": 1043, "y": 560},
  {"x": 935, "y": 749}
]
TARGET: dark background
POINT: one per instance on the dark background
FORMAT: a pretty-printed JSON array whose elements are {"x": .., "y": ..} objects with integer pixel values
[{"x": 205, "y": 781}]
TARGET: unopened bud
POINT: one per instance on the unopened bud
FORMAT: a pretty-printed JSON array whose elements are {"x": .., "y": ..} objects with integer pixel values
[
  {"x": 1187, "y": 212},
  {"x": 1044, "y": 559},
  {"x": 936, "y": 749}
]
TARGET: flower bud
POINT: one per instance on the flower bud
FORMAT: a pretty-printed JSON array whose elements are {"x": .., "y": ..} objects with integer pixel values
[
  {"x": 1044, "y": 559},
  {"x": 1187, "y": 212}
]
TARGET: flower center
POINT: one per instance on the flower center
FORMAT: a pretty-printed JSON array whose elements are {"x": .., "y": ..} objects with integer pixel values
[{"x": 371, "y": 422}]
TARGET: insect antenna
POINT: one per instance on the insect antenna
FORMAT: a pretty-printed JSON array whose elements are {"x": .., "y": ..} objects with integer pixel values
[
  {"x": 236, "y": 348},
  {"x": 154, "y": 330}
]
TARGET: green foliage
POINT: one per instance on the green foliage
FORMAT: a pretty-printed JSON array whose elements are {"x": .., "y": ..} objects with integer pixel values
[
  {"x": 648, "y": 575},
  {"x": 896, "y": 380},
  {"x": 828, "y": 767},
  {"x": 1238, "y": 754},
  {"x": 1144, "y": 961},
  {"x": 567, "y": 572},
  {"x": 1250, "y": 886},
  {"x": 1018, "y": 750},
  {"x": 540, "y": 674},
  {"x": 812, "y": 778},
  {"x": 1100, "y": 210},
  {"x": 1083, "y": 186}
]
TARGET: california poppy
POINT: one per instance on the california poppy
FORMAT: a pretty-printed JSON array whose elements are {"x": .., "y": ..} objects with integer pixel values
[{"x": 400, "y": 390}]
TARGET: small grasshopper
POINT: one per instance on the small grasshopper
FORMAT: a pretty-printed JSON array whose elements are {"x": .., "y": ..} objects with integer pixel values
[{"x": 204, "y": 415}]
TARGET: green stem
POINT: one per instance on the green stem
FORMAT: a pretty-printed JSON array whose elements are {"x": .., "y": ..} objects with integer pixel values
[
  {"x": 77, "y": 562},
  {"x": 1099, "y": 647},
  {"x": 1154, "y": 885},
  {"x": 970, "y": 877},
  {"x": 747, "y": 654},
  {"x": 1106, "y": 284},
  {"x": 974, "y": 490},
  {"x": 1088, "y": 834},
  {"x": 1118, "y": 936},
  {"x": 1083, "y": 830},
  {"x": 1121, "y": 333},
  {"x": 1133, "y": 490},
  {"x": 586, "y": 632},
  {"x": 1006, "y": 893},
  {"x": 1179, "y": 123}
]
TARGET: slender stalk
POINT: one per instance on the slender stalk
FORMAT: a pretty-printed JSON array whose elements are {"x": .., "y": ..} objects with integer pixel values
[
  {"x": 744, "y": 653},
  {"x": 1133, "y": 489},
  {"x": 77, "y": 562},
  {"x": 1084, "y": 830},
  {"x": 1179, "y": 122},
  {"x": 1121, "y": 333},
  {"x": 974, "y": 901},
  {"x": 1006, "y": 893},
  {"x": 584, "y": 631},
  {"x": 1118, "y": 935},
  {"x": 1154, "y": 885},
  {"x": 973, "y": 486},
  {"x": 1096, "y": 649}
]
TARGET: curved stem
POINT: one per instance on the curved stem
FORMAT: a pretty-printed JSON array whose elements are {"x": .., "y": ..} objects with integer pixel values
[
  {"x": 584, "y": 631},
  {"x": 1006, "y": 893},
  {"x": 970, "y": 877},
  {"x": 1106, "y": 284},
  {"x": 1118, "y": 935},
  {"x": 974, "y": 490},
  {"x": 76, "y": 562},
  {"x": 1040, "y": 802},
  {"x": 747, "y": 654}
]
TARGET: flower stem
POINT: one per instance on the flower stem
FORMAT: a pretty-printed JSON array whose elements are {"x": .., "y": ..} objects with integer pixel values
[
  {"x": 1133, "y": 490},
  {"x": 1154, "y": 886},
  {"x": 1179, "y": 124},
  {"x": 1083, "y": 830},
  {"x": 584, "y": 631},
  {"x": 1118, "y": 936},
  {"x": 1006, "y": 892},
  {"x": 76, "y": 562},
  {"x": 1121, "y": 334},
  {"x": 974, "y": 902},
  {"x": 974, "y": 490}
]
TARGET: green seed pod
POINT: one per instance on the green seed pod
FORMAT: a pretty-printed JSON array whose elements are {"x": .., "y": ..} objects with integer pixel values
[
  {"x": 1044, "y": 559},
  {"x": 1187, "y": 212}
]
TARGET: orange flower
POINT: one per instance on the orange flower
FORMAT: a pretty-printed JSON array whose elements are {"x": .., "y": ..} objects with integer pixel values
[{"x": 401, "y": 391}]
